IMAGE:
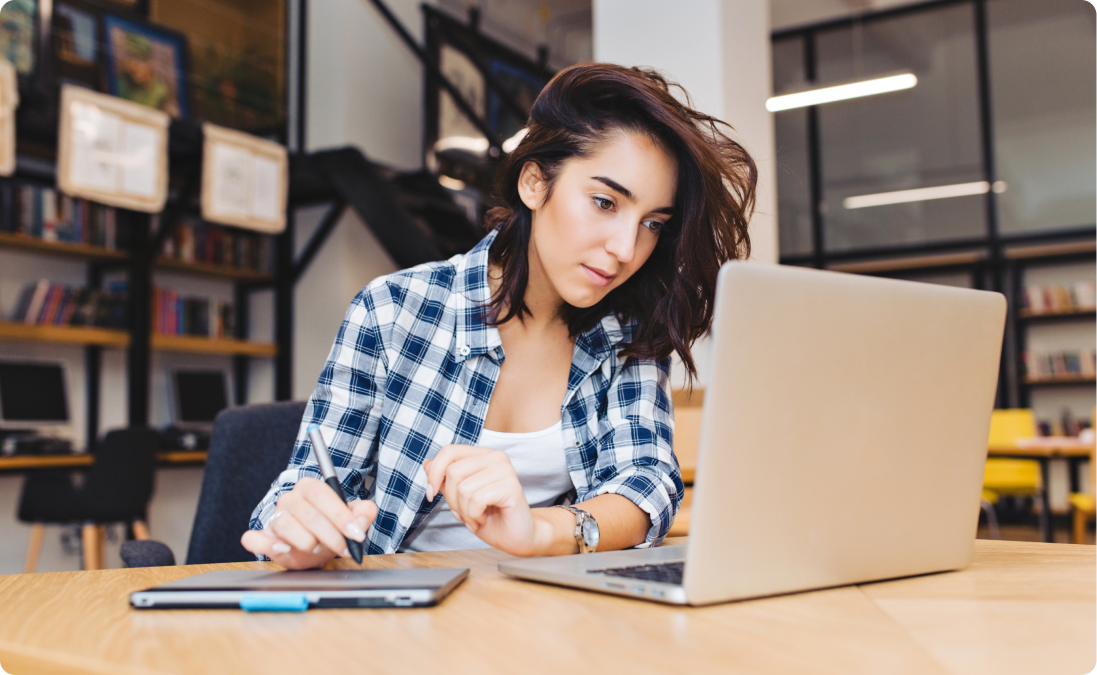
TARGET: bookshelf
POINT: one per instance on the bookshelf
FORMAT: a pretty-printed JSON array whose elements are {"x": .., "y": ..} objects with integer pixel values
[
  {"x": 87, "y": 251},
  {"x": 65, "y": 335},
  {"x": 224, "y": 346},
  {"x": 227, "y": 272}
]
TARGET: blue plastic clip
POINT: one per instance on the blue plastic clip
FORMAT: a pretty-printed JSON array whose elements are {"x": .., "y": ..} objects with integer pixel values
[{"x": 274, "y": 603}]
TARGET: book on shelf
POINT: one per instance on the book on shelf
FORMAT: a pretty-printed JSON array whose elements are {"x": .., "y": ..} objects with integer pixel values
[
  {"x": 1062, "y": 364},
  {"x": 45, "y": 303},
  {"x": 46, "y": 214},
  {"x": 173, "y": 314},
  {"x": 1081, "y": 295},
  {"x": 198, "y": 242}
]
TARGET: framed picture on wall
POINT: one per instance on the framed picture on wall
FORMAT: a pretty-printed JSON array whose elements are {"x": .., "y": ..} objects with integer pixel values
[
  {"x": 146, "y": 64},
  {"x": 76, "y": 39},
  {"x": 19, "y": 35}
]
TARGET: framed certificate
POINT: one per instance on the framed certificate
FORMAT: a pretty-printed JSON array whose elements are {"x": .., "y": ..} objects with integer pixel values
[
  {"x": 112, "y": 151},
  {"x": 9, "y": 101},
  {"x": 244, "y": 180}
]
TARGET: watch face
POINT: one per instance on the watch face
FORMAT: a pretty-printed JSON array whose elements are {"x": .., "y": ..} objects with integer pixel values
[{"x": 590, "y": 532}]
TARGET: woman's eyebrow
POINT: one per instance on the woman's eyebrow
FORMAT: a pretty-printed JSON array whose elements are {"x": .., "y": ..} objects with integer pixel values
[
  {"x": 614, "y": 185},
  {"x": 617, "y": 187}
]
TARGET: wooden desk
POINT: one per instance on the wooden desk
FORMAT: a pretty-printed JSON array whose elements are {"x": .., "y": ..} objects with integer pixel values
[
  {"x": 1019, "y": 608},
  {"x": 1043, "y": 450},
  {"x": 19, "y": 463}
]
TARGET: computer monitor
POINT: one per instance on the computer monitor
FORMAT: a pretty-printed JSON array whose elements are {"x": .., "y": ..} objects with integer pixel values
[
  {"x": 199, "y": 395},
  {"x": 32, "y": 394}
]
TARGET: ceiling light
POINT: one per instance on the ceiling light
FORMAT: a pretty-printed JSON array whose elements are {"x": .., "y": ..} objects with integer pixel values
[
  {"x": 841, "y": 92},
  {"x": 923, "y": 194}
]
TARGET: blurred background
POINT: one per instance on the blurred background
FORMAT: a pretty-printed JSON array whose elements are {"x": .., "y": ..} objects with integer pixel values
[{"x": 959, "y": 149}]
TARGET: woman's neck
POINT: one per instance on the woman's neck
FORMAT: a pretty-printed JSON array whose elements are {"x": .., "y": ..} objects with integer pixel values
[{"x": 541, "y": 299}]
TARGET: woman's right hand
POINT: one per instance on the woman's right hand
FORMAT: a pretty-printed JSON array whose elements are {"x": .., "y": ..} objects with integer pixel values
[{"x": 310, "y": 526}]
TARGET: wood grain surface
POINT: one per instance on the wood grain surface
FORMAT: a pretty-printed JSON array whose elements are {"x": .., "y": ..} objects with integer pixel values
[{"x": 1016, "y": 605}]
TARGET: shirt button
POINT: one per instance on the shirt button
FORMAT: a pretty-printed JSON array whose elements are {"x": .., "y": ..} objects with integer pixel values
[
  {"x": 465, "y": 350},
  {"x": 578, "y": 442}
]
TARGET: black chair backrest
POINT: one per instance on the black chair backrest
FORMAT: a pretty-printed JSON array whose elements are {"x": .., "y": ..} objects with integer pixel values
[
  {"x": 251, "y": 445},
  {"x": 119, "y": 483}
]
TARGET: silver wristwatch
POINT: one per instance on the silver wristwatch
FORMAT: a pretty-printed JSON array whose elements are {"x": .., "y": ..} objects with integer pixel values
[{"x": 586, "y": 530}]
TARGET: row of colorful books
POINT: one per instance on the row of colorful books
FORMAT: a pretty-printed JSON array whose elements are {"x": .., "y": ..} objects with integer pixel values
[
  {"x": 193, "y": 241},
  {"x": 47, "y": 214},
  {"x": 1058, "y": 364},
  {"x": 1062, "y": 298},
  {"x": 173, "y": 314},
  {"x": 53, "y": 304}
]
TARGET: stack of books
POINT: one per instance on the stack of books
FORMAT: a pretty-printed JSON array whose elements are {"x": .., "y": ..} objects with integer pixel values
[
  {"x": 1079, "y": 296},
  {"x": 51, "y": 216},
  {"x": 173, "y": 314},
  {"x": 198, "y": 242},
  {"x": 1061, "y": 365},
  {"x": 50, "y": 304}
]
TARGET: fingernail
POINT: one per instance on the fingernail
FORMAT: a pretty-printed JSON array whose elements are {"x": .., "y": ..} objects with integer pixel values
[
  {"x": 363, "y": 521},
  {"x": 355, "y": 532},
  {"x": 430, "y": 492},
  {"x": 317, "y": 549},
  {"x": 279, "y": 547},
  {"x": 345, "y": 553}
]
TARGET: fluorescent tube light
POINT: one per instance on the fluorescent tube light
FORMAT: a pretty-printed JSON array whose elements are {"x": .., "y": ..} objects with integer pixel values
[
  {"x": 923, "y": 194},
  {"x": 841, "y": 92}
]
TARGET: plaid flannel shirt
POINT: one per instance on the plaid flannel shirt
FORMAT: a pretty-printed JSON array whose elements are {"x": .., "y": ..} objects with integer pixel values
[{"x": 412, "y": 370}]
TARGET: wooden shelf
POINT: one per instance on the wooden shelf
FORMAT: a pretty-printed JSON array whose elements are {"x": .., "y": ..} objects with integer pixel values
[
  {"x": 202, "y": 345},
  {"x": 1057, "y": 314},
  {"x": 211, "y": 270},
  {"x": 1050, "y": 250},
  {"x": 28, "y": 243},
  {"x": 913, "y": 263},
  {"x": 65, "y": 335},
  {"x": 83, "y": 460},
  {"x": 1060, "y": 379}
]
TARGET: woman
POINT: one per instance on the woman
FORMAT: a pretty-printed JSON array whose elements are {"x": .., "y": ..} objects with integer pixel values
[{"x": 621, "y": 203}]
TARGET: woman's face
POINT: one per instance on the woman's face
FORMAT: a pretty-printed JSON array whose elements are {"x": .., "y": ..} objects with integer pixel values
[{"x": 603, "y": 218}]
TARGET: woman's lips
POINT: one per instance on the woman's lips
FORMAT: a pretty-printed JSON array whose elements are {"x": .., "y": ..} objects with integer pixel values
[{"x": 599, "y": 278}]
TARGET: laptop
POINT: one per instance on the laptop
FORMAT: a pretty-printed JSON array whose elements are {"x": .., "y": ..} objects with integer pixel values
[
  {"x": 271, "y": 590},
  {"x": 843, "y": 439}
]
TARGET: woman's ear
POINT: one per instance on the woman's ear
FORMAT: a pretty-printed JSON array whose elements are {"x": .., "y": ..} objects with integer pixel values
[{"x": 531, "y": 186}]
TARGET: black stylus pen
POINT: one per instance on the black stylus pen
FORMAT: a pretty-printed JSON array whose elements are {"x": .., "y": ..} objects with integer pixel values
[{"x": 327, "y": 470}]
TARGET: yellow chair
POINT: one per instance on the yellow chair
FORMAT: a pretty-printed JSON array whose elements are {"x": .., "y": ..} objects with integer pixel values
[
  {"x": 1010, "y": 477},
  {"x": 1085, "y": 505}
]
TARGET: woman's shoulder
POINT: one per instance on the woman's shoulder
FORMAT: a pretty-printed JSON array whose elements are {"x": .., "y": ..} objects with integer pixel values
[{"x": 431, "y": 284}]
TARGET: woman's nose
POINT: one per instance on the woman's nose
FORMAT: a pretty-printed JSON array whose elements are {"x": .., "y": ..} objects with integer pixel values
[{"x": 622, "y": 242}]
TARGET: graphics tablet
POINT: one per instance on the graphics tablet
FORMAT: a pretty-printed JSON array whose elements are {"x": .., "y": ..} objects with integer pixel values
[{"x": 270, "y": 590}]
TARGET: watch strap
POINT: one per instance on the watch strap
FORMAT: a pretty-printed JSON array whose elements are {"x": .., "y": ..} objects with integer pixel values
[{"x": 580, "y": 517}]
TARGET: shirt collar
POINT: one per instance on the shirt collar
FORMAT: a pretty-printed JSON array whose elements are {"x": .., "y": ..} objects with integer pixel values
[
  {"x": 472, "y": 295},
  {"x": 470, "y": 302}
]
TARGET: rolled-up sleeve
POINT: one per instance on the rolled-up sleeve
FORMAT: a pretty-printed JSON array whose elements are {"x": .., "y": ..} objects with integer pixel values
[
  {"x": 346, "y": 404},
  {"x": 635, "y": 456}
]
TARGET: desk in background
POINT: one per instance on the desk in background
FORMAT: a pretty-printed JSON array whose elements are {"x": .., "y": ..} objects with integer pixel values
[
  {"x": 1019, "y": 608},
  {"x": 20, "y": 463},
  {"x": 1043, "y": 450}
]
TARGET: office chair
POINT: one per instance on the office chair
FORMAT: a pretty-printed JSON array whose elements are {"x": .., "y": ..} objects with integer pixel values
[
  {"x": 251, "y": 445},
  {"x": 116, "y": 488},
  {"x": 1084, "y": 506},
  {"x": 1011, "y": 477}
]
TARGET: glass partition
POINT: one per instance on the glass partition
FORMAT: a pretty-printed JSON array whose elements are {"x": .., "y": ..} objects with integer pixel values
[
  {"x": 793, "y": 168},
  {"x": 924, "y": 137},
  {"x": 1042, "y": 82}
]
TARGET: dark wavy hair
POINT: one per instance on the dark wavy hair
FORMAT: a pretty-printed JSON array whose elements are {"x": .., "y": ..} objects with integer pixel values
[{"x": 671, "y": 296}]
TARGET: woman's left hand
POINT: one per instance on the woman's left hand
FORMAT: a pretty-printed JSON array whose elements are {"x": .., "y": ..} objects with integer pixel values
[{"x": 483, "y": 492}]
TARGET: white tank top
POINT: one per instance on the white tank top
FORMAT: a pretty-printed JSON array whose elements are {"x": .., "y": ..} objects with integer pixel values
[{"x": 539, "y": 460}]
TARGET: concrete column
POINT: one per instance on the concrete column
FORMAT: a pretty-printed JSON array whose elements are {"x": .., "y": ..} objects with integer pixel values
[{"x": 719, "y": 50}]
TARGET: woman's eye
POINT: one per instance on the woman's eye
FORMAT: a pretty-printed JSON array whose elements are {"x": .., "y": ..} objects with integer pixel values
[
  {"x": 653, "y": 225},
  {"x": 603, "y": 203}
]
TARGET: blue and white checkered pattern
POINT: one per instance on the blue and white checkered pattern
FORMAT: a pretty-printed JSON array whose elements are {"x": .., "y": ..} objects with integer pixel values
[{"x": 412, "y": 370}]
